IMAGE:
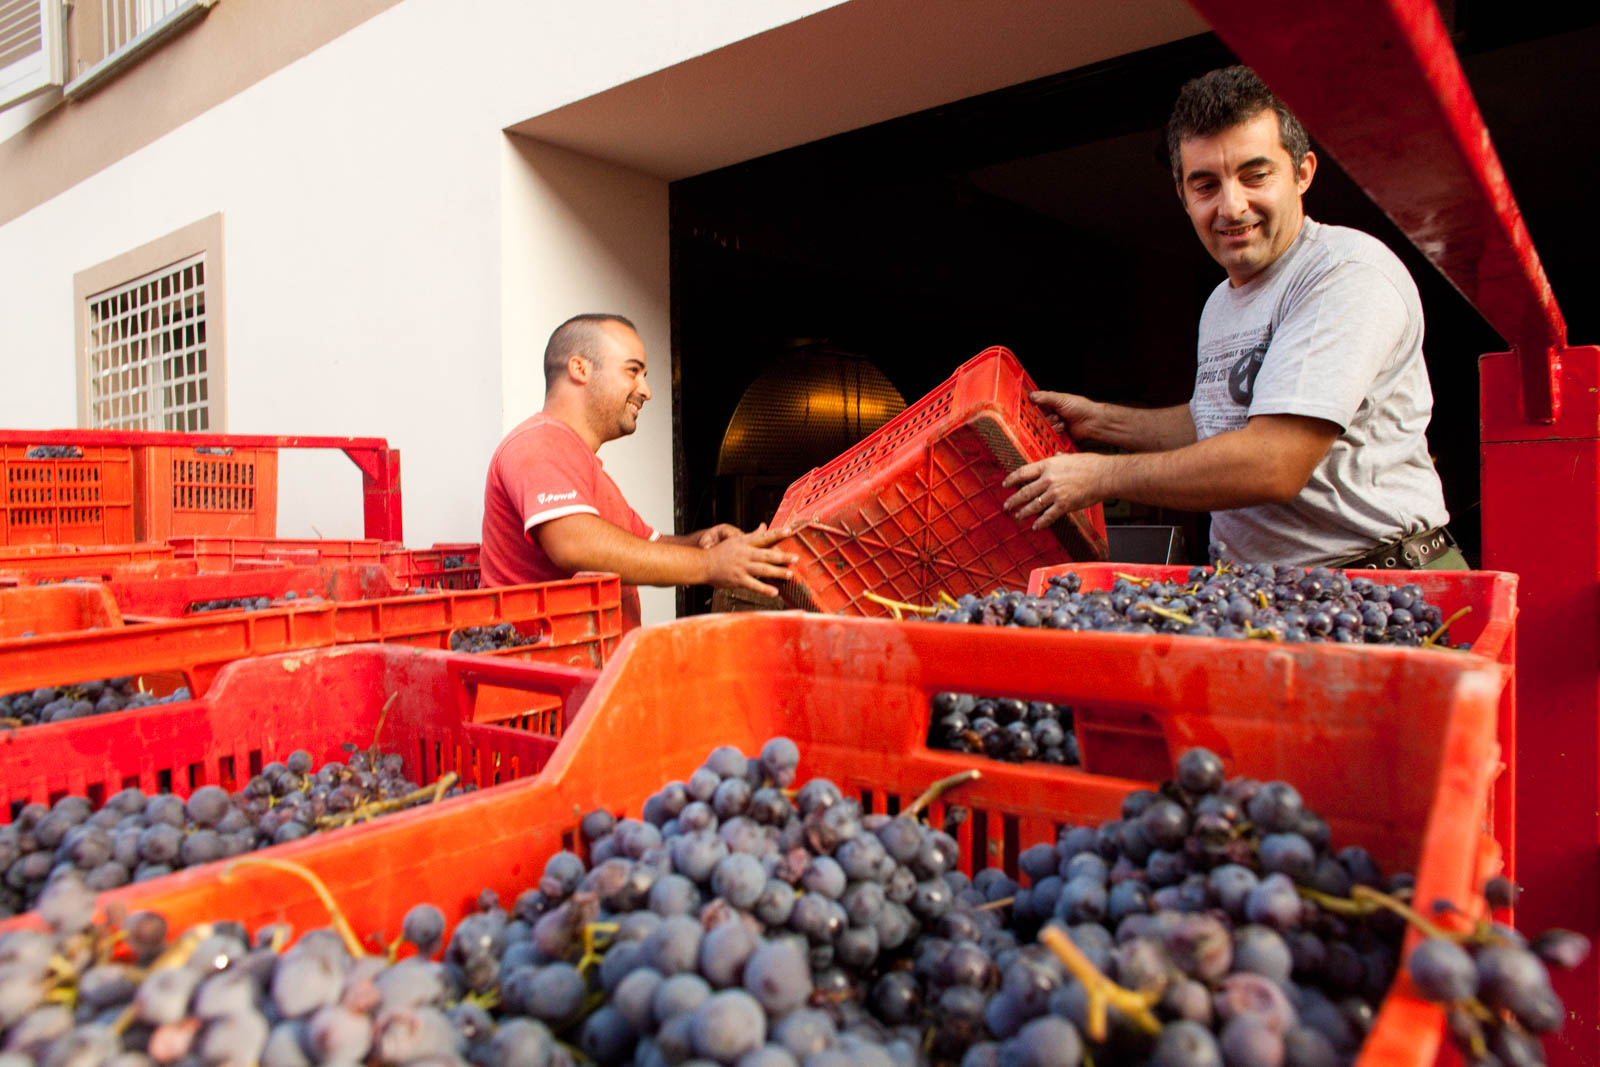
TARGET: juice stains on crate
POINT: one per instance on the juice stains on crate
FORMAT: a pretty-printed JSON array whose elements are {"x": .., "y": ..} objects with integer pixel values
[
  {"x": 854, "y": 695},
  {"x": 78, "y": 494},
  {"x": 915, "y": 509}
]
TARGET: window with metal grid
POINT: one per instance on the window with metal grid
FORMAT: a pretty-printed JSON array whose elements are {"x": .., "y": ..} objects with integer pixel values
[{"x": 147, "y": 352}]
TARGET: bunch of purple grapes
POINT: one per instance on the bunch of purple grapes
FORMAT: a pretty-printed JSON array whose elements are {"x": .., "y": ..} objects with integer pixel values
[
  {"x": 1496, "y": 984},
  {"x": 1261, "y": 601},
  {"x": 1004, "y": 728},
  {"x": 62, "y": 703},
  {"x": 54, "y": 452},
  {"x": 134, "y": 836},
  {"x": 252, "y": 603},
  {"x": 487, "y": 638},
  {"x": 745, "y": 923}
]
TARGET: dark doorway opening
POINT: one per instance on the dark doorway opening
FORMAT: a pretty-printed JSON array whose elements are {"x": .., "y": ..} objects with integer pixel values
[{"x": 1043, "y": 217}]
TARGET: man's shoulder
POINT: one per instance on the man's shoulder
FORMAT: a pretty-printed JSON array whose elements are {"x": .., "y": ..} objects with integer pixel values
[
  {"x": 539, "y": 442},
  {"x": 1331, "y": 246},
  {"x": 540, "y": 431}
]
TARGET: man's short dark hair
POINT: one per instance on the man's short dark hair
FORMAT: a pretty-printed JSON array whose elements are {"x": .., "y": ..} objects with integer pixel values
[
  {"x": 578, "y": 336},
  {"x": 1221, "y": 100}
]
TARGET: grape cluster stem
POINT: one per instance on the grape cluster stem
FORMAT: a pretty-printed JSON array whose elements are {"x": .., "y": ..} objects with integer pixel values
[
  {"x": 347, "y": 934},
  {"x": 1102, "y": 992},
  {"x": 939, "y": 789}
]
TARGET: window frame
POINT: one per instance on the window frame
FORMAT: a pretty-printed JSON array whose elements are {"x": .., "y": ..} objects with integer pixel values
[
  {"x": 40, "y": 71},
  {"x": 203, "y": 237}
]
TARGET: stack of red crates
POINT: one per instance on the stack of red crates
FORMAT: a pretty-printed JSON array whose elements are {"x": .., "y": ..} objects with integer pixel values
[{"x": 854, "y": 694}]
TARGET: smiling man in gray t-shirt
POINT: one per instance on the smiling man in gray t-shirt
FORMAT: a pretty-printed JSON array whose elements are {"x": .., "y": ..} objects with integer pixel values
[{"x": 1305, "y": 436}]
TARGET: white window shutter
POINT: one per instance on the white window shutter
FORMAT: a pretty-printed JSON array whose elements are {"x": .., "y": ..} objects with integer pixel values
[{"x": 32, "y": 49}]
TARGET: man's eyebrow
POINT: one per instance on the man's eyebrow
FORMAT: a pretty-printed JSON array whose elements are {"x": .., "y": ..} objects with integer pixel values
[
  {"x": 1258, "y": 161},
  {"x": 633, "y": 363}
]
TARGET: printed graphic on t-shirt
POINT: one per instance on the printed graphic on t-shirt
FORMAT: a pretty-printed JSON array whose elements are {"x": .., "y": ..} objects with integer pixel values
[
  {"x": 1225, "y": 380},
  {"x": 1242, "y": 378}
]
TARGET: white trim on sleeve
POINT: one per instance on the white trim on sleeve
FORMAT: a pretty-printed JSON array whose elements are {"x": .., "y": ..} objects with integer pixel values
[
  {"x": 655, "y": 535},
  {"x": 557, "y": 513}
]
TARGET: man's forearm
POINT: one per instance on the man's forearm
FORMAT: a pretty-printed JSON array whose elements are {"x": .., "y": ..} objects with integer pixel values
[
  {"x": 1230, "y": 470},
  {"x": 1141, "y": 429},
  {"x": 592, "y": 544}
]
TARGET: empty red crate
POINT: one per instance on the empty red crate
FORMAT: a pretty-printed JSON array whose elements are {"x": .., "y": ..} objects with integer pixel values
[
  {"x": 854, "y": 694},
  {"x": 84, "y": 499},
  {"x": 222, "y": 553},
  {"x": 219, "y": 490},
  {"x": 50, "y": 609},
  {"x": 444, "y": 566},
  {"x": 915, "y": 509},
  {"x": 575, "y": 622}
]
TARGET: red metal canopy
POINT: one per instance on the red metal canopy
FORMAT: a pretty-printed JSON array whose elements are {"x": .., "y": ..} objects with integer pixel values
[{"x": 1379, "y": 85}]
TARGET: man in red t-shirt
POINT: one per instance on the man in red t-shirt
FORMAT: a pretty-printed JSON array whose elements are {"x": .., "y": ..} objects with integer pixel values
[{"x": 550, "y": 509}]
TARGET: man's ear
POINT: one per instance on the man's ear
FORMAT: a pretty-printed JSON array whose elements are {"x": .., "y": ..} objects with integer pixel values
[
  {"x": 1308, "y": 170},
  {"x": 578, "y": 368}
]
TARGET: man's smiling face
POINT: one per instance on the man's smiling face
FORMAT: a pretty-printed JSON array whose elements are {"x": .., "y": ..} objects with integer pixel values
[
  {"x": 617, "y": 389},
  {"x": 1242, "y": 192}
]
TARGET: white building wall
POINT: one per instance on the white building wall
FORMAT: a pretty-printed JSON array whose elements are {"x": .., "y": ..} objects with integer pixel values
[
  {"x": 361, "y": 191},
  {"x": 582, "y": 235}
]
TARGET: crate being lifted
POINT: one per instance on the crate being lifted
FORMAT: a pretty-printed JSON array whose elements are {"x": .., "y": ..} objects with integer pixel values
[{"x": 916, "y": 508}]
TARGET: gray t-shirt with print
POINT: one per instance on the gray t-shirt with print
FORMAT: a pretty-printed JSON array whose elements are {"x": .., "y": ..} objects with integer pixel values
[{"x": 1331, "y": 330}]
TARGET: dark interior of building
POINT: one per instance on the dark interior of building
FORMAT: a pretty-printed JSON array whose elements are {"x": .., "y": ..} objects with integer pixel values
[{"x": 1043, "y": 217}]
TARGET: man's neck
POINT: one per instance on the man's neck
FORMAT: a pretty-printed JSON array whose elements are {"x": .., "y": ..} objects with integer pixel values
[{"x": 571, "y": 414}]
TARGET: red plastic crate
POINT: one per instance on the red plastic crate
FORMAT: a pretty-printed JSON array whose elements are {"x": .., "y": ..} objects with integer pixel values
[
  {"x": 575, "y": 622},
  {"x": 50, "y": 609},
  {"x": 224, "y": 553},
  {"x": 31, "y": 557},
  {"x": 854, "y": 694},
  {"x": 222, "y": 490},
  {"x": 92, "y": 570},
  {"x": 171, "y": 596},
  {"x": 84, "y": 500},
  {"x": 915, "y": 509},
  {"x": 444, "y": 566},
  {"x": 426, "y": 708},
  {"x": 1490, "y": 628}
]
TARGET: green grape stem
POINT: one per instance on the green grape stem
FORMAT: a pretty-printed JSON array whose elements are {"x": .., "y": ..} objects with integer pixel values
[
  {"x": 1103, "y": 993},
  {"x": 1364, "y": 900},
  {"x": 939, "y": 789},
  {"x": 898, "y": 606},
  {"x": 347, "y": 934},
  {"x": 1432, "y": 640},
  {"x": 1165, "y": 613}
]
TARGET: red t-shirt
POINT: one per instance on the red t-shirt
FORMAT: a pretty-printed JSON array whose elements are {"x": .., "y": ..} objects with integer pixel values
[{"x": 542, "y": 471}]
